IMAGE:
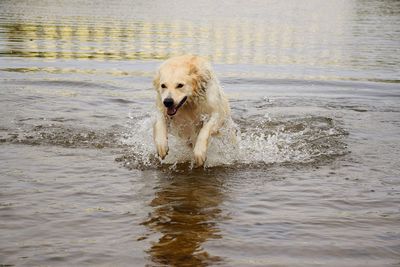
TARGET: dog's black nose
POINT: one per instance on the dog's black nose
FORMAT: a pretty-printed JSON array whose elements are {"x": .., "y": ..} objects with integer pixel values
[{"x": 168, "y": 102}]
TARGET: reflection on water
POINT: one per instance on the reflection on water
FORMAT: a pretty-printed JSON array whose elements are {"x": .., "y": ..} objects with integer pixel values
[
  {"x": 185, "y": 213},
  {"x": 315, "y": 34},
  {"x": 316, "y": 177}
]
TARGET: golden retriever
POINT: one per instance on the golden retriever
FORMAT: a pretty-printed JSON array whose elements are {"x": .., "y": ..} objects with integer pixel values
[{"x": 190, "y": 103}]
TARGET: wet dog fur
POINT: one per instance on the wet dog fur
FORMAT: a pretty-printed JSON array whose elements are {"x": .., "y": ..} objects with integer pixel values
[{"x": 190, "y": 104}]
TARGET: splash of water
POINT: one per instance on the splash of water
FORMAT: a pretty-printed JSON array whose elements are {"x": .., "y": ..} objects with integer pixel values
[{"x": 259, "y": 141}]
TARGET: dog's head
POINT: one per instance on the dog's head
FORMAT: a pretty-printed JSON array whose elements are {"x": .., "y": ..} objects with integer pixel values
[{"x": 179, "y": 80}]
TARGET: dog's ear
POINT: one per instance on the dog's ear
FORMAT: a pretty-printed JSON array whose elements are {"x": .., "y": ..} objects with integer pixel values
[
  {"x": 156, "y": 80},
  {"x": 200, "y": 73}
]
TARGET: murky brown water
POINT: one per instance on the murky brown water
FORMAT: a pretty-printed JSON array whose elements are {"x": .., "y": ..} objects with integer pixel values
[{"x": 314, "y": 90}]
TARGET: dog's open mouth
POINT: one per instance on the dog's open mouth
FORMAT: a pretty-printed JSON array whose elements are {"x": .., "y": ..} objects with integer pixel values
[{"x": 171, "y": 111}]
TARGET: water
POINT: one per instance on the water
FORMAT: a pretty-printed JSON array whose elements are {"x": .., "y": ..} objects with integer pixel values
[{"x": 315, "y": 97}]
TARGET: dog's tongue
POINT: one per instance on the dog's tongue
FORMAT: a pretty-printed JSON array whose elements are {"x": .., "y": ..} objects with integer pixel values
[{"x": 171, "y": 111}]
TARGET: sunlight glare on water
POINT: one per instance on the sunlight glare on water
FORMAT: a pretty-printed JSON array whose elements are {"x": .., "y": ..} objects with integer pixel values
[{"x": 313, "y": 179}]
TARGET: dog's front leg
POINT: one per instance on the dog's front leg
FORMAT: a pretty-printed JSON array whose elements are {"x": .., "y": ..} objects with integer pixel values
[
  {"x": 160, "y": 135},
  {"x": 209, "y": 128}
]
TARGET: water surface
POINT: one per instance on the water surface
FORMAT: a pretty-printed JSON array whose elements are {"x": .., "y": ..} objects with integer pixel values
[{"x": 314, "y": 91}]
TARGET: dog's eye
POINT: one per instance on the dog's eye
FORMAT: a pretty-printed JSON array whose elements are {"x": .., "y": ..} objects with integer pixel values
[
  {"x": 163, "y": 86},
  {"x": 180, "y": 85}
]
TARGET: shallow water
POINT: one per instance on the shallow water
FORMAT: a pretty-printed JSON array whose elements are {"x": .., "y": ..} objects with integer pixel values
[{"x": 315, "y": 96}]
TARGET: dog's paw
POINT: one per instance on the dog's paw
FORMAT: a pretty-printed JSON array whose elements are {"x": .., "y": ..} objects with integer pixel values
[
  {"x": 162, "y": 150},
  {"x": 199, "y": 156}
]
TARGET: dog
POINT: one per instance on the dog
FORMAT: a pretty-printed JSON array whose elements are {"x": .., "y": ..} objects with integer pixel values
[{"x": 190, "y": 104}]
